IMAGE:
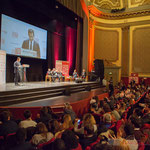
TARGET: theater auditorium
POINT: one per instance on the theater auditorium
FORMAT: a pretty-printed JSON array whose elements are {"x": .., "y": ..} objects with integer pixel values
[{"x": 74, "y": 74}]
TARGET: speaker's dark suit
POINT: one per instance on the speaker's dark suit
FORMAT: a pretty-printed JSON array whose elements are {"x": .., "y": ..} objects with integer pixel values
[
  {"x": 16, "y": 71},
  {"x": 36, "y": 47}
]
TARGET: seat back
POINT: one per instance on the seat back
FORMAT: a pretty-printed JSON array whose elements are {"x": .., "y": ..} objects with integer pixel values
[
  {"x": 46, "y": 145},
  {"x": 10, "y": 141},
  {"x": 92, "y": 144}
]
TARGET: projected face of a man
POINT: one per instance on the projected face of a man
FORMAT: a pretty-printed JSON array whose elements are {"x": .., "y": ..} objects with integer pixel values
[{"x": 31, "y": 36}]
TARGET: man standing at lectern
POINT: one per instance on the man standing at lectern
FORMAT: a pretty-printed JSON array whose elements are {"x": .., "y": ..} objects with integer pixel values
[{"x": 17, "y": 66}]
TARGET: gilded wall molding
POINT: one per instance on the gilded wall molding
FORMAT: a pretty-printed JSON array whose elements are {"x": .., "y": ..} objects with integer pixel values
[
  {"x": 136, "y": 3},
  {"x": 107, "y": 4},
  {"x": 112, "y": 16}
]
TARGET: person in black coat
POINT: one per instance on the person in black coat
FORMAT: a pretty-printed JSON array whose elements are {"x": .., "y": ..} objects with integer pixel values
[{"x": 8, "y": 126}]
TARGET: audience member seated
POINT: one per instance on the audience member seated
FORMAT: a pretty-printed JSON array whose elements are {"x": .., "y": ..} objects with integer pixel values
[
  {"x": 137, "y": 123},
  {"x": 94, "y": 104},
  {"x": 42, "y": 135},
  {"x": 44, "y": 116},
  {"x": 121, "y": 108},
  {"x": 129, "y": 133},
  {"x": 54, "y": 127},
  {"x": 115, "y": 113},
  {"x": 68, "y": 110},
  {"x": 71, "y": 140},
  {"x": 59, "y": 144},
  {"x": 67, "y": 123},
  {"x": 87, "y": 118},
  {"x": 89, "y": 136},
  {"x": 107, "y": 117},
  {"x": 28, "y": 122},
  {"x": 21, "y": 143},
  {"x": 8, "y": 126},
  {"x": 104, "y": 82}
]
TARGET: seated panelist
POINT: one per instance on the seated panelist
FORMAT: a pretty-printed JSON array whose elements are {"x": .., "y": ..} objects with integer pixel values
[
  {"x": 75, "y": 74},
  {"x": 48, "y": 75},
  {"x": 49, "y": 72},
  {"x": 83, "y": 75}
]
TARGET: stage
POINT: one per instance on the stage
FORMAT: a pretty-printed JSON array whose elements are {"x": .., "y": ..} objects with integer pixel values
[{"x": 46, "y": 93}]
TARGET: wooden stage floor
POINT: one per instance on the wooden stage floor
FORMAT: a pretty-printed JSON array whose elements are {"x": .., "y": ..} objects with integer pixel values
[
  {"x": 34, "y": 85},
  {"x": 59, "y": 100},
  {"x": 47, "y": 93}
]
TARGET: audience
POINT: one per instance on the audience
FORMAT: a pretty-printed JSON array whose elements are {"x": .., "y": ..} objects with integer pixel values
[
  {"x": 28, "y": 122},
  {"x": 119, "y": 122},
  {"x": 42, "y": 135}
]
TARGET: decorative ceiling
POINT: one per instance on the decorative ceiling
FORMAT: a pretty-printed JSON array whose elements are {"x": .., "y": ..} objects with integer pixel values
[
  {"x": 116, "y": 4},
  {"x": 107, "y": 4}
]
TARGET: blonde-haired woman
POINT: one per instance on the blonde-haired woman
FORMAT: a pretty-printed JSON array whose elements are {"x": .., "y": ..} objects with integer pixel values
[
  {"x": 67, "y": 122},
  {"x": 87, "y": 119},
  {"x": 42, "y": 135}
]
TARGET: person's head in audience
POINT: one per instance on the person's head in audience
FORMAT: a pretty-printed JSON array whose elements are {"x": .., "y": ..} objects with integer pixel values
[
  {"x": 67, "y": 106},
  {"x": 138, "y": 112},
  {"x": 88, "y": 118},
  {"x": 88, "y": 129},
  {"x": 5, "y": 116},
  {"x": 107, "y": 119},
  {"x": 101, "y": 103},
  {"x": 106, "y": 108},
  {"x": 59, "y": 144},
  {"x": 49, "y": 69},
  {"x": 137, "y": 122},
  {"x": 67, "y": 122},
  {"x": 129, "y": 129},
  {"x": 43, "y": 111},
  {"x": 49, "y": 110},
  {"x": 27, "y": 114},
  {"x": 21, "y": 135},
  {"x": 70, "y": 139},
  {"x": 54, "y": 126},
  {"x": 41, "y": 128}
]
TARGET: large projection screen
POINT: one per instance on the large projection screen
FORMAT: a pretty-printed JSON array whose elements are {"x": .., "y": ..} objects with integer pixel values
[{"x": 23, "y": 39}]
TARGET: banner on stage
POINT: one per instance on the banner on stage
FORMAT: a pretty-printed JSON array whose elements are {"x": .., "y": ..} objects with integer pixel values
[
  {"x": 2, "y": 67},
  {"x": 63, "y": 66}
]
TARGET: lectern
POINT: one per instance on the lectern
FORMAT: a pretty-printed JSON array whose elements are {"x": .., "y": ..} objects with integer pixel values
[{"x": 23, "y": 72}]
